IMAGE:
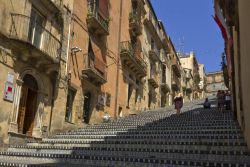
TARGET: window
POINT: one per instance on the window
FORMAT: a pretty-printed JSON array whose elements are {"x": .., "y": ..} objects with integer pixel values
[
  {"x": 36, "y": 28},
  {"x": 102, "y": 5},
  {"x": 69, "y": 104}
]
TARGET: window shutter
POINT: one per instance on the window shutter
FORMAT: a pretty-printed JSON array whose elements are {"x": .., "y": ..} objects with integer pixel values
[{"x": 103, "y": 8}]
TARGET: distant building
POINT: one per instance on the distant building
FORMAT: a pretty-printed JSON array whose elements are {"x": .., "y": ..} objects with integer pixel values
[
  {"x": 202, "y": 84},
  {"x": 189, "y": 61},
  {"x": 215, "y": 82}
]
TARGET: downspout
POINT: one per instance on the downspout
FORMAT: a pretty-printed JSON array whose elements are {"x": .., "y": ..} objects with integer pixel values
[
  {"x": 68, "y": 40},
  {"x": 118, "y": 62}
]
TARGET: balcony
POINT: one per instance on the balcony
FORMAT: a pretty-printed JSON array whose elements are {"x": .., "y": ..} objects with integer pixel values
[
  {"x": 135, "y": 27},
  {"x": 176, "y": 67},
  {"x": 154, "y": 55},
  {"x": 132, "y": 60},
  {"x": 140, "y": 4},
  {"x": 164, "y": 85},
  {"x": 94, "y": 70},
  {"x": 175, "y": 82},
  {"x": 153, "y": 79},
  {"x": 32, "y": 38},
  {"x": 54, "y": 5},
  {"x": 153, "y": 27},
  {"x": 96, "y": 23}
]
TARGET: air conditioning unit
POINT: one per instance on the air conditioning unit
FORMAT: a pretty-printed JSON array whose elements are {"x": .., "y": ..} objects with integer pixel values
[{"x": 101, "y": 99}]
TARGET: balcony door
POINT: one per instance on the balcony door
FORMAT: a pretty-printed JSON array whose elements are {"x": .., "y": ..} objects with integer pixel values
[{"x": 36, "y": 28}]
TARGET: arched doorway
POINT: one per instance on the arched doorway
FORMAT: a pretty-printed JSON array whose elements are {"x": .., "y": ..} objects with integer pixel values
[{"x": 27, "y": 105}]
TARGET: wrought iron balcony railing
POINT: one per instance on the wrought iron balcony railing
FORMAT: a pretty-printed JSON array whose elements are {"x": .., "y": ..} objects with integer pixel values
[
  {"x": 95, "y": 20},
  {"x": 152, "y": 24},
  {"x": 94, "y": 69},
  {"x": 175, "y": 81},
  {"x": 129, "y": 54},
  {"x": 27, "y": 30},
  {"x": 127, "y": 46},
  {"x": 135, "y": 26},
  {"x": 153, "y": 78}
]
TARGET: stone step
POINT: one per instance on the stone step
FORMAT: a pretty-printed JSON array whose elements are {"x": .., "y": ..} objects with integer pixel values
[
  {"x": 163, "y": 136},
  {"x": 145, "y": 136},
  {"x": 152, "y": 128},
  {"x": 212, "y": 142},
  {"x": 155, "y": 132},
  {"x": 126, "y": 149},
  {"x": 168, "y": 158}
]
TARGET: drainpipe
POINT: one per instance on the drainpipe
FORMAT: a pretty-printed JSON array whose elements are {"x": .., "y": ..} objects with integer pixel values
[
  {"x": 68, "y": 40},
  {"x": 118, "y": 62}
]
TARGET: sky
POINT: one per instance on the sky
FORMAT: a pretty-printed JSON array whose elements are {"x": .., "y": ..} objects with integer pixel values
[{"x": 190, "y": 25}]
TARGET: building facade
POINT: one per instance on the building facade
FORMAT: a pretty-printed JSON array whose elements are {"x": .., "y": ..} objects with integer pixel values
[
  {"x": 215, "y": 82},
  {"x": 234, "y": 16},
  {"x": 202, "y": 84},
  {"x": 33, "y": 62},
  {"x": 188, "y": 82},
  {"x": 68, "y": 63},
  {"x": 189, "y": 61}
]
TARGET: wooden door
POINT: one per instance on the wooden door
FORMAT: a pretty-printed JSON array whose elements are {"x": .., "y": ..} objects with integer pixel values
[
  {"x": 22, "y": 108},
  {"x": 30, "y": 112}
]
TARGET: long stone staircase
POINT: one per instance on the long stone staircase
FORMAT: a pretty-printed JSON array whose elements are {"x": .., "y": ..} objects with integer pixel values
[{"x": 197, "y": 137}]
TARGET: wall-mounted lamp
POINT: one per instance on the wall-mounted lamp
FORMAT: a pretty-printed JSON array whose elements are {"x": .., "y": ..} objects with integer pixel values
[{"x": 75, "y": 49}]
